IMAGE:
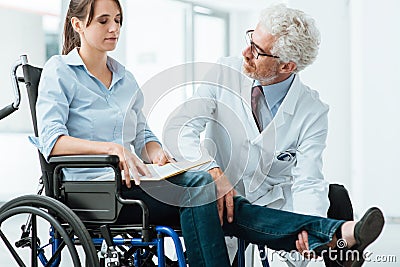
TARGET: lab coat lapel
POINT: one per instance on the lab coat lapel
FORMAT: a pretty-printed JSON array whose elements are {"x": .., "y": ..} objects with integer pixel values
[
  {"x": 287, "y": 107},
  {"x": 257, "y": 185},
  {"x": 245, "y": 94},
  {"x": 289, "y": 103}
]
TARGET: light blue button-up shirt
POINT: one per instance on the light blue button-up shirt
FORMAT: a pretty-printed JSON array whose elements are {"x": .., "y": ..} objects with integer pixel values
[
  {"x": 73, "y": 102},
  {"x": 274, "y": 95}
]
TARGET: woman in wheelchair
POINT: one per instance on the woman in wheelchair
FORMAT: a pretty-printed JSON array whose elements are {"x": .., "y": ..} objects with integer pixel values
[{"x": 84, "y": 96}]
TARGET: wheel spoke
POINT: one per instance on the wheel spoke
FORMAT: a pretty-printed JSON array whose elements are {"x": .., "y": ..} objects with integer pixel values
[
  {"x": 11, "y": 249},
  {"x": 56, "y": 254},
  {"x": 34, "y": 241}
]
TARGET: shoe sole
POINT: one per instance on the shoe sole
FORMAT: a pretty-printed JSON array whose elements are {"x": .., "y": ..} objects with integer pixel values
[{"x": 369, "y": 232}]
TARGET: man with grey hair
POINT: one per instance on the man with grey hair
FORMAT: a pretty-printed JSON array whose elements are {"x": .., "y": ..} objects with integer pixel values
[{"x": 285, "y": 124}]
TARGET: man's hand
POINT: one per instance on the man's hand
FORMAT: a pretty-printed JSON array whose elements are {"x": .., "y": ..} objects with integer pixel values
[
  {"x": 225, "y": 194},
  {"x": 303, "y": 247}
]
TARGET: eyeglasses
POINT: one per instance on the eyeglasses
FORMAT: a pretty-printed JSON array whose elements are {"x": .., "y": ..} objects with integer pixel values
[{"x": 253, "y": 47}]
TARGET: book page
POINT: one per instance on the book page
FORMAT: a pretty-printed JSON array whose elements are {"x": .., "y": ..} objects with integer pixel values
[{"x": 171, "y": 169}]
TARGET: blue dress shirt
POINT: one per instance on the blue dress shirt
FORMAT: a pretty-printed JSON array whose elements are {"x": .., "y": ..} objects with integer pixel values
[
  {"x": 274, "y": 95},
  {"x": 73, "y": 102}
]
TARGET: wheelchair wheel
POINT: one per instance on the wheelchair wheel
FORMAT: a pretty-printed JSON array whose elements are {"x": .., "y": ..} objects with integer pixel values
[
  {"x": 25, "y": 207},
  {"x": 33, "y": 241}
]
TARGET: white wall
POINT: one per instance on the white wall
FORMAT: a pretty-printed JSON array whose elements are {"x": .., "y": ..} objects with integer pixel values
[
  {"x": 19, "y": 170},
  {"x": 376, "y": 43},
  {"x": 330, "y": 76},
  {"x": 17, "y": 40}
]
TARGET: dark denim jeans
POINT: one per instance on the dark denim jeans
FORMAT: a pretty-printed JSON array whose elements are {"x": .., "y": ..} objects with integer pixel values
[{"x": 202, "y": 232}]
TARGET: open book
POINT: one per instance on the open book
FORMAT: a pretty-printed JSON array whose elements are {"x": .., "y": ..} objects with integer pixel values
[{"x": 172, "y": 169}]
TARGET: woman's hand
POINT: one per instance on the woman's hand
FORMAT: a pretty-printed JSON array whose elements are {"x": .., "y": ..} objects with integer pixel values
[
  {"x": 162, "y": 157},
  {"x": 155, "y": 154},
  {"x": 130, "y": 164}
]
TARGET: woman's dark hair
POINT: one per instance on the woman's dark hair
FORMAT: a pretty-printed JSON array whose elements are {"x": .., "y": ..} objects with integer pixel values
[{"x": 79, "y": 9}]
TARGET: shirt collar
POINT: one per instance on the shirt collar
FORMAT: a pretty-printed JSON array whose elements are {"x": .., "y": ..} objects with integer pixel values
[
  {"x": 74, "y": 59},
  {"x": 274, "y": 93}
]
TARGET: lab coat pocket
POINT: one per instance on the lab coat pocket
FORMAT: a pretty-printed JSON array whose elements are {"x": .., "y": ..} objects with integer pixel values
[{"x": 282, "y": 164}]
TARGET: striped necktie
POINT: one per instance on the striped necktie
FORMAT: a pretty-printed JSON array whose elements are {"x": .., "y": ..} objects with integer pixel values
[{"x": 256, "y": 93}]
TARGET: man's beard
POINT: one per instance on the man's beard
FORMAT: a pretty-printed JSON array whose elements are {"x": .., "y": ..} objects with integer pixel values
[{"x": 263, "y": 79}]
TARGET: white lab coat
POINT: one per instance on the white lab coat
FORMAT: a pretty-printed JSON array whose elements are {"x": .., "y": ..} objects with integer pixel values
[{"x": 233, "y": 140}]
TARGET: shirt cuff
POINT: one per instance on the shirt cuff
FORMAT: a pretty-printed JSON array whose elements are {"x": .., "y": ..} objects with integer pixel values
[{"x": 45, "y": 145}]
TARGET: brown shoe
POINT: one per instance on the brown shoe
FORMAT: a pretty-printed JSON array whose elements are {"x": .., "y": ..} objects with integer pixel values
[{"x": 366, "y": 231}]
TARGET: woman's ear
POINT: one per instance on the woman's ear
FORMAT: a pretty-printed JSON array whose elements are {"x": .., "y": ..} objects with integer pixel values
[
  {"x": 288, "y": 67},
  {"x": 77, "y": 24}
]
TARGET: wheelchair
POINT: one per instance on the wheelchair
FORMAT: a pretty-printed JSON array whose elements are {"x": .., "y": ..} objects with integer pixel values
[{"x": 78, "y": 213}]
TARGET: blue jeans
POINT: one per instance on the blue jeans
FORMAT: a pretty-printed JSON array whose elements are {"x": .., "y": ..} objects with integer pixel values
[{"x": 203, "y": 234}]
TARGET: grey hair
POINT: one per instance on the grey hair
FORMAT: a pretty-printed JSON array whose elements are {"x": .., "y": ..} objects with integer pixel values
[{"x": 297, "y": 37}]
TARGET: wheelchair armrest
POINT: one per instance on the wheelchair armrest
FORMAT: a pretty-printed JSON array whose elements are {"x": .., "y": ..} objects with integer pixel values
[
  {"x": 98, "y": 161},
  {"x": 85, "y": 160}
]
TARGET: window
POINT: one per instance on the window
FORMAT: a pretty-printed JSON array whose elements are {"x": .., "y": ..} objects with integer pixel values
[
  {"x": 211, "y": 30},
  {"x": 161, "y": 34}
]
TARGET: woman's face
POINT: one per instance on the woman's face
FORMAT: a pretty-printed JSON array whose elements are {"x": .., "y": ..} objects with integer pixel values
[{"x": 103, "y": 31}]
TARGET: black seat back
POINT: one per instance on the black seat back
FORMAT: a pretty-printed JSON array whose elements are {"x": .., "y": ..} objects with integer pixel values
[{"x": 32, "y": 77}]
